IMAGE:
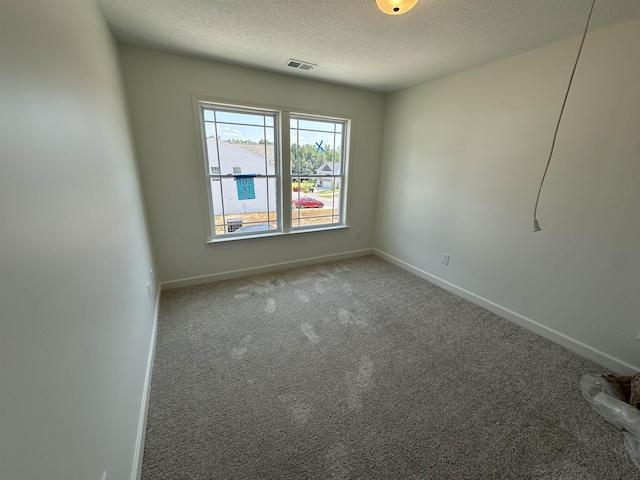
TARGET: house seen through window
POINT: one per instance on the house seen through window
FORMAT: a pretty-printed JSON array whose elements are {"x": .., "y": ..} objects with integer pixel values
[{"x": 250, "y": 173}]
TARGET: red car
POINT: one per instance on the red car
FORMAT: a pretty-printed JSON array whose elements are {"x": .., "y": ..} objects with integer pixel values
[{"x": 307, "y": 202}]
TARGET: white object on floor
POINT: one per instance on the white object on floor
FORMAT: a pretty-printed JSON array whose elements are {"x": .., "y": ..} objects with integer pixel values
[{"x": 605, "y": 400}]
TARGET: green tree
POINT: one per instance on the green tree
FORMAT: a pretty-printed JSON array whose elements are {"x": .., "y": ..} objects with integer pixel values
[{"x": 306, "y": 159}]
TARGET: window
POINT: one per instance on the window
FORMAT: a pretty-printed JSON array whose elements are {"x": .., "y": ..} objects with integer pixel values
[
  {"x": 316, "y": 168},
  {"x": 257, "y": 184}
]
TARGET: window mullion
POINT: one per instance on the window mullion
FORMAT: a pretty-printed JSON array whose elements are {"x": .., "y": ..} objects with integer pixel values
[
  {"x": 285, "y": 165},
  {"x": 213, "y": 212}
]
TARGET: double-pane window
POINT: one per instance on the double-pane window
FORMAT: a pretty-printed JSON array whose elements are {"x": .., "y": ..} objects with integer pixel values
[{"x": 251, "y": 174}]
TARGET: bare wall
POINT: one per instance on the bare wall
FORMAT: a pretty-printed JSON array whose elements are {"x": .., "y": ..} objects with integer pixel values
[
  {"x": 461, "y": 164},
  {"x": 159, "y": 88},
  {"x": 75, "y": 316}
]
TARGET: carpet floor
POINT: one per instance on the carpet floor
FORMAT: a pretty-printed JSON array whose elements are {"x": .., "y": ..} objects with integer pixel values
[{"x": 360, "y": 370}]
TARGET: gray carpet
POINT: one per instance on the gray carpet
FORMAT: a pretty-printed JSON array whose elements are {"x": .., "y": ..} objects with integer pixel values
[{"x": 360, "y": 370}]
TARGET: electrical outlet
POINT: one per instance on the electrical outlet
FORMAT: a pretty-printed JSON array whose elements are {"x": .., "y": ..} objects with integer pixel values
[
  {"x": 445, "y": 258},
  {"x": 149, "y": 288},
  {"x": 153, "y": 280},
  {"x": 357, "y": 234}
]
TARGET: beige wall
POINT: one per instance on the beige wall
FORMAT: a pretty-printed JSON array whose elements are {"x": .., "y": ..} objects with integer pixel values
[
  {"x": 75, "y": 316},
  {"x": 462, "y": 161},
  {"x": 159, "y": 88}
]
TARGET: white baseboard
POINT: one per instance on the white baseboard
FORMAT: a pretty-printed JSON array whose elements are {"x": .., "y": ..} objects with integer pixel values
[
  {"x": 136, "y": 473},
  {"x": 273, "y": 267},
  {"x": 602, "y": 358}
]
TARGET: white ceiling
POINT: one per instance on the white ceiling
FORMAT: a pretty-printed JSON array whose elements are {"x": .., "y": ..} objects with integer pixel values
[{"x": 352, "y": 42}]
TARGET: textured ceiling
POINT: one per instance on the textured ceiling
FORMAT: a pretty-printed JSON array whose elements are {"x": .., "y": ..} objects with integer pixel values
[{"x": 352, "y": 42}]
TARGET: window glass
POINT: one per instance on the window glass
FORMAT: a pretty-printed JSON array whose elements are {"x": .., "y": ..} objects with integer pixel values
[{"x": 316, "y": 168}]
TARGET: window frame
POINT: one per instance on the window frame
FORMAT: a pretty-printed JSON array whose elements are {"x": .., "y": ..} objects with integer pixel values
[
  {"x": 301, "y": 117},
  {"x": 282, "y": 166}
]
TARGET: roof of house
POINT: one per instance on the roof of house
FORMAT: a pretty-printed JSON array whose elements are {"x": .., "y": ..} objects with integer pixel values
[
  {"x": 234, "y": 155},
  {"x": 329, "y": 167},
  {"x": 258, "y": 149}
]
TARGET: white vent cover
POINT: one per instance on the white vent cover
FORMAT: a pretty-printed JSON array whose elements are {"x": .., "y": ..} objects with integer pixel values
[{"x": 299, "y": 64}]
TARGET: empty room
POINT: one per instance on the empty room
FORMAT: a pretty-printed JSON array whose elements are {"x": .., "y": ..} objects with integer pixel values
[{"x": 373, "y": 239}]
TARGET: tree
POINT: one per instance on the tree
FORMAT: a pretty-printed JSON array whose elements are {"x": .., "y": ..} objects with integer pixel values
[{"x": 306, "y": 159}]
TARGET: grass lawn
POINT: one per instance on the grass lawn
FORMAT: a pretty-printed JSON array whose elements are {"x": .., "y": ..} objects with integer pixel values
[{"x": 328, "y": 194}]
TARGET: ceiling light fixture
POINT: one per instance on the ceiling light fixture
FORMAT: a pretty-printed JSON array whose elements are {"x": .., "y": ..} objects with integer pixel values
[
  {"x": 536, "y": 223},
  {"x": 396, "y": 7}
]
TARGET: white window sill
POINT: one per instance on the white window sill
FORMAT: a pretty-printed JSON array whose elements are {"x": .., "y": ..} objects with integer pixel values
[{"x": 233, "y": 238}]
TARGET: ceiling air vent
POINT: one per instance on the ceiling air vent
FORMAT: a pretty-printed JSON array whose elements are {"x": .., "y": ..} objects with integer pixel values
[{"x": 299, "y": 64}]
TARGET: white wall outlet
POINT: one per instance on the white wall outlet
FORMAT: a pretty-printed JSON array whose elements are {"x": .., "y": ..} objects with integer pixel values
[
  {"x": 149, "y": 288},
  {"x": 357, "y": 234},
  {"x": 445, "y": 258},
  {"x": 153, "y": 280}
]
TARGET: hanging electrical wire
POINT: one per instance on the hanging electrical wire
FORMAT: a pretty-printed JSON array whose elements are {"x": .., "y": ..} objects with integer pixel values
[{"x": 536, "y": 224}]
